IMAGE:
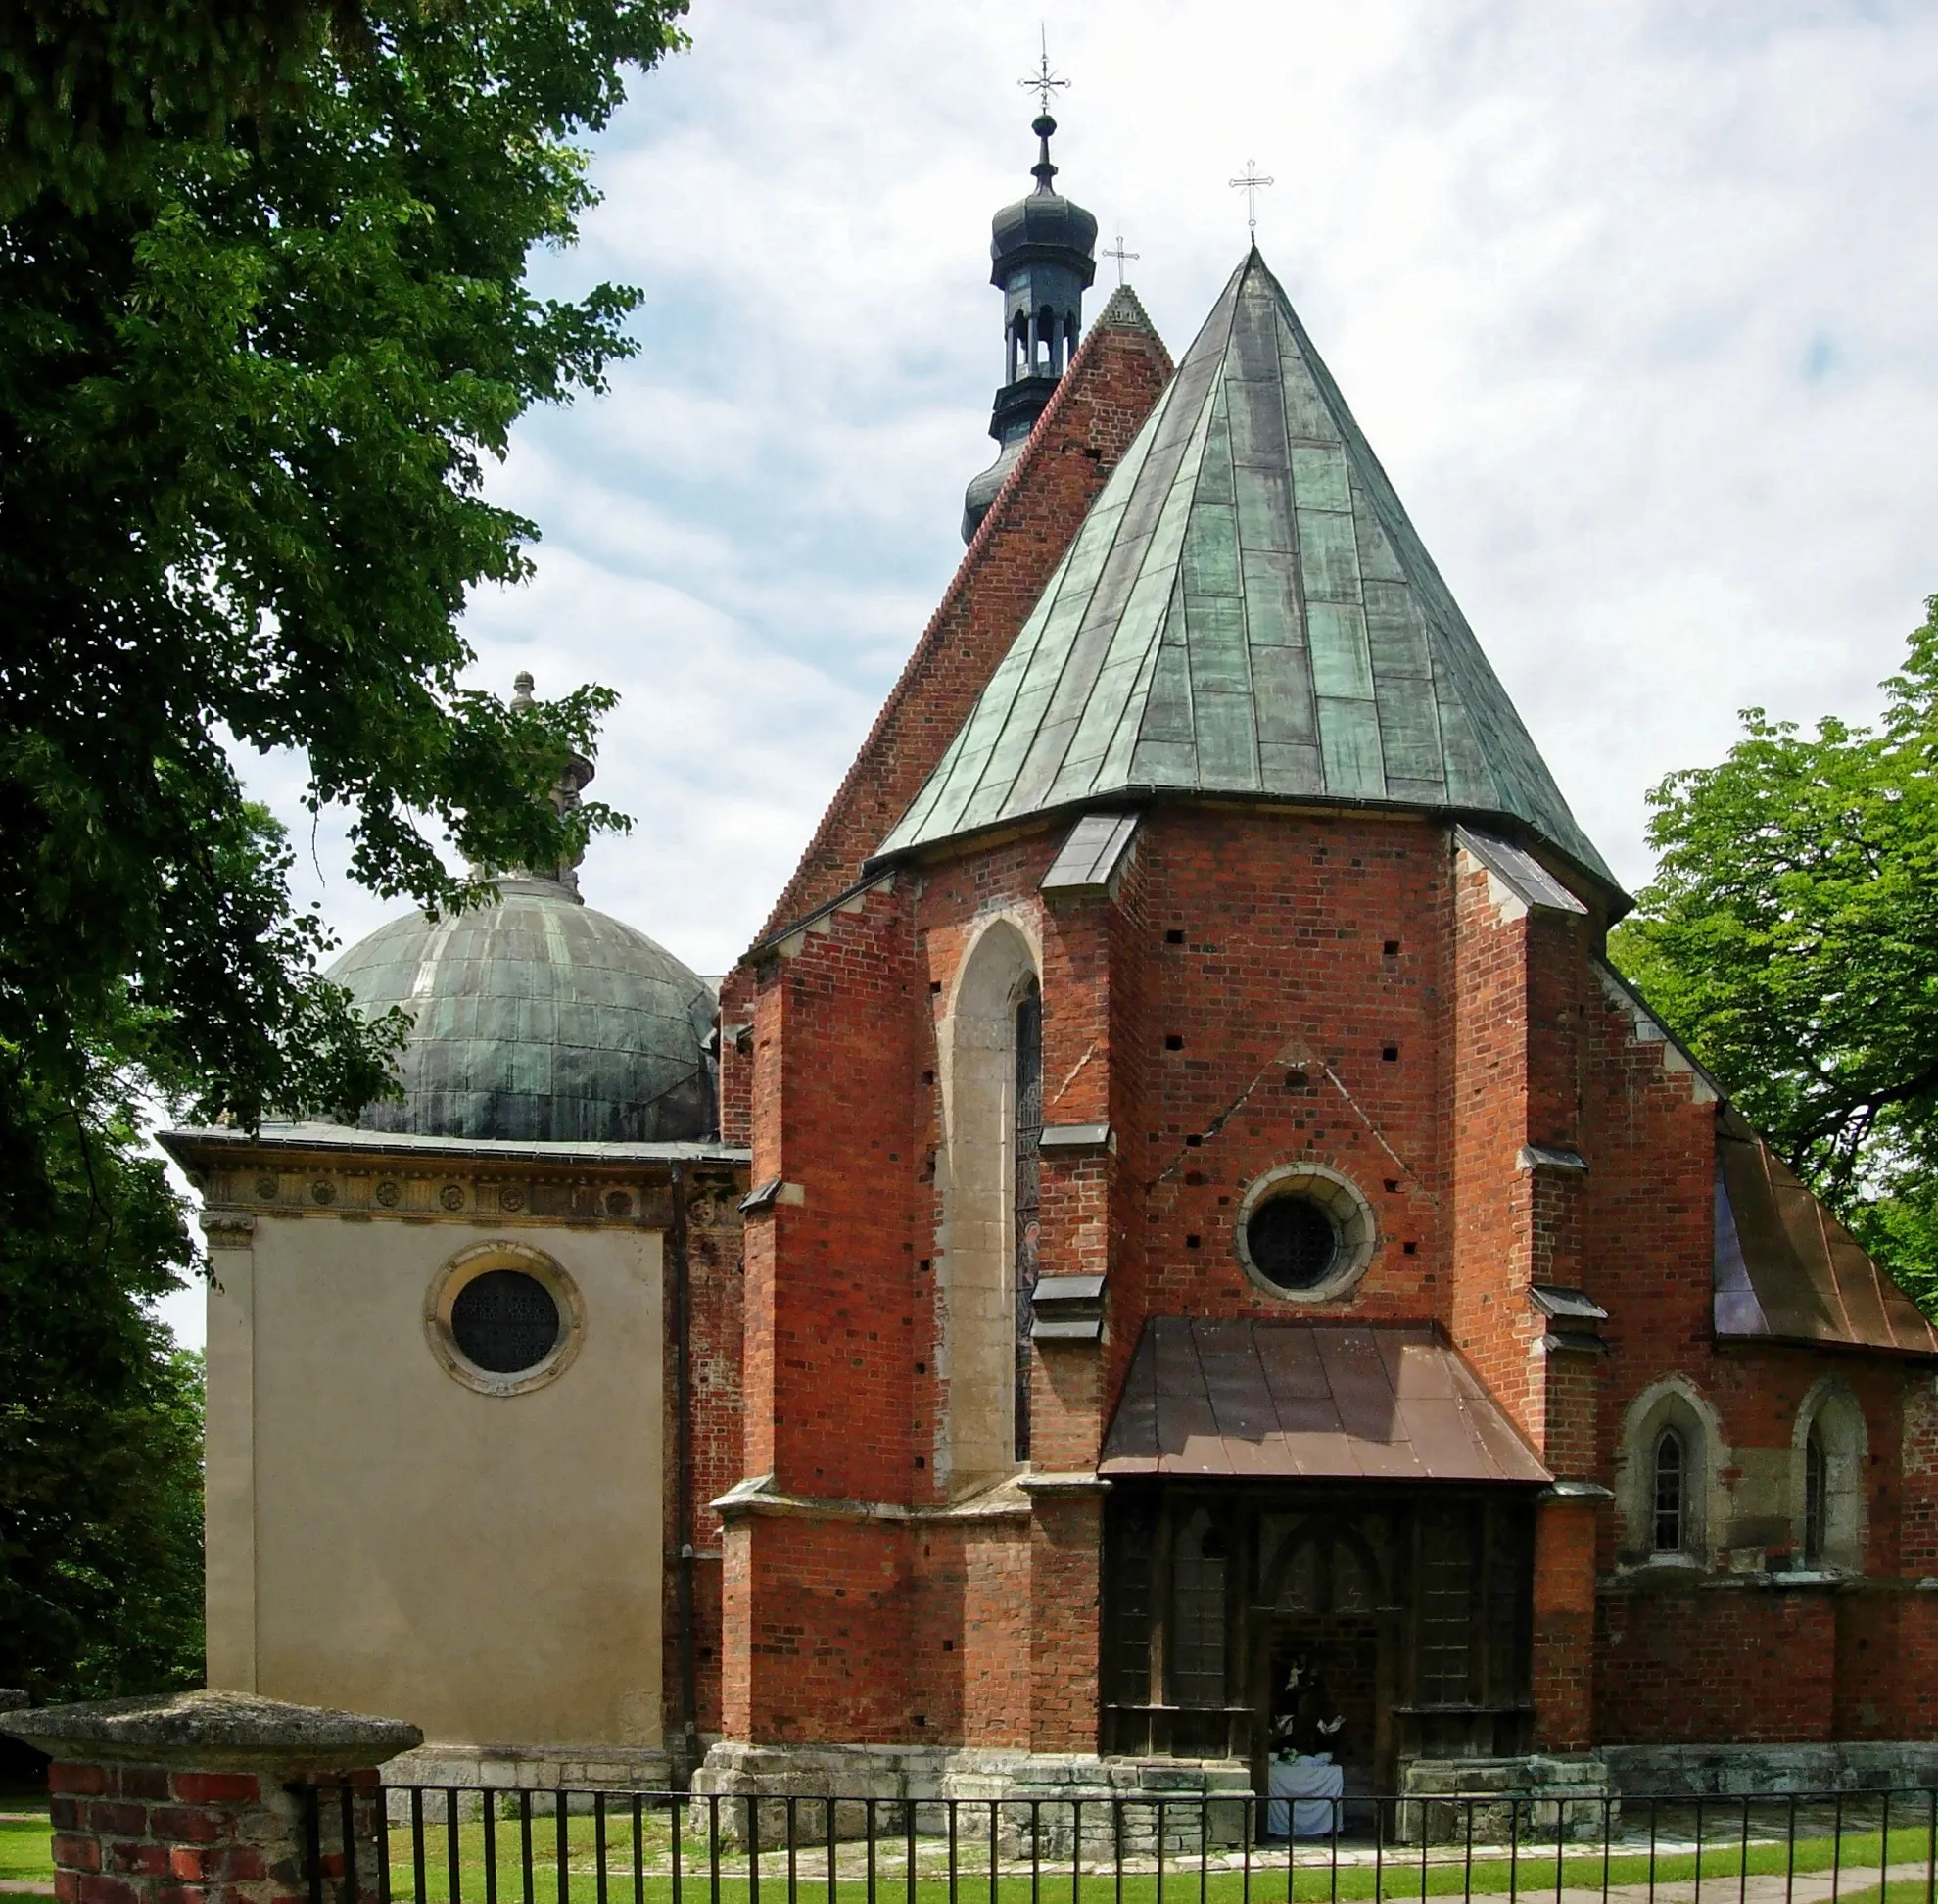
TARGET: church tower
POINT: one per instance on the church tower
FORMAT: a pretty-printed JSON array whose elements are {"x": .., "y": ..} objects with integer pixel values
[{"x": 1042, "y": 253}]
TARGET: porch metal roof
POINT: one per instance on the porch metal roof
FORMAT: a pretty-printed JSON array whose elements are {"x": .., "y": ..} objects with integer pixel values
[{"x": 1308, "y": 1401}]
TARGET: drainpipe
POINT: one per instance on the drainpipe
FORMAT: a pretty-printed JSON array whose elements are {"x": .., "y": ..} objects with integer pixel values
[{"x": 687, "y": 1753}]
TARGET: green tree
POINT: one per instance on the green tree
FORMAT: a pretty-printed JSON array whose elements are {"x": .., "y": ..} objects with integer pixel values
[
  {"x": 1791, "y": 935},
  {"x": 100, "y": 1418},
  {"x": 264, "y": 323}
]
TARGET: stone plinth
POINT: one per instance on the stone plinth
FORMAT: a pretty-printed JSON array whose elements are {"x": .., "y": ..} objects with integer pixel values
[
  {"x": 1535, "y": 1798},
  {"x": 183, "y": 1798}
]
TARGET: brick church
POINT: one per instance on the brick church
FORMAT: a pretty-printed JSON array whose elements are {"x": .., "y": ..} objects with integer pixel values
[{"x": 1188, "y": 1206}]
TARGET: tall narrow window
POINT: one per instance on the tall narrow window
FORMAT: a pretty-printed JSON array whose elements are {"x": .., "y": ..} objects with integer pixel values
[
  {"x": 1198, "y": 1613},
  {"x": 1028, "y": 1142},
  {"x": 1817, "y": 1496},
  {"x": 1670, "y": 1491}
]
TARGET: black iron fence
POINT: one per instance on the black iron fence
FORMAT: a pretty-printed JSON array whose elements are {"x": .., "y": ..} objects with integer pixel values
[{"x": 370, "y": 1844}]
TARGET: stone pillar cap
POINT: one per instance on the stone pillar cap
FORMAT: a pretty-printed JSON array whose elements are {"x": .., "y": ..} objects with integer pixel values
[{"x": 212, "y": 1731}]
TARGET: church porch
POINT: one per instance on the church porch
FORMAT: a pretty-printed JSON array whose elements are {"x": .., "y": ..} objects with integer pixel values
[{"x": 1319, "y": 1538}]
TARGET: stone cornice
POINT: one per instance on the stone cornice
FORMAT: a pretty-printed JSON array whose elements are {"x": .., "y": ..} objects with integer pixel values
[{"x": 324, "y": 1171}]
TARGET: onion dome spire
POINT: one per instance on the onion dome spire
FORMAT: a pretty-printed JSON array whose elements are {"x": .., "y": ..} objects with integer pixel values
[{"x": 1042, "y": 254}]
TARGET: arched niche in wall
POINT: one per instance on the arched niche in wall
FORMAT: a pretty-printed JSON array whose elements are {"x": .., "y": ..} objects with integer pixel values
[
  {"x": 978, "y": 1262},
  {"x": 1666, "y": 1477},
  {"x": 1829, "y": 1451}
]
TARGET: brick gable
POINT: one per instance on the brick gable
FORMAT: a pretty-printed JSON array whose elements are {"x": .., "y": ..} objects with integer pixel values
[{"x": 1115, "y": 379}]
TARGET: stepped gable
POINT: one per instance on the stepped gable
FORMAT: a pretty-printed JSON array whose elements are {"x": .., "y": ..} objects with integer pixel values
[
  {"x": 1100, "y": 402},
  {"x": 1247, "y": 610}
]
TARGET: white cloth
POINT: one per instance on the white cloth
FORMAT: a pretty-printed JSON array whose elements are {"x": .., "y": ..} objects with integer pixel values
[{"x": 1302, "y": 1794}]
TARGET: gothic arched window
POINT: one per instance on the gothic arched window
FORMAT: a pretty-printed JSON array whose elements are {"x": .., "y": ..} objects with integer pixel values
[
  {"x": 1027, "y": 1147},
  {"x": 1817, "y": 1496},
  {"x": 1668, "y": 1518}
]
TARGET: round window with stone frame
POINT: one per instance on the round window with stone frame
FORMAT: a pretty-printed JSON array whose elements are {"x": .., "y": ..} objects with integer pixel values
[
  {"x": 503, "y": 1318},
  {"x": 1304, "y": 1233}
]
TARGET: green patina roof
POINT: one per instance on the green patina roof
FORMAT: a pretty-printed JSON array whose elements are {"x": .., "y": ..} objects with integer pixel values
[
  {"x": 1246, "y": 610},
  {"x": 538, "y": 1019}
]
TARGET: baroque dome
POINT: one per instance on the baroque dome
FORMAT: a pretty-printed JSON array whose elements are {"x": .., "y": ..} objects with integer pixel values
[{"x": 539, "y": 1019}]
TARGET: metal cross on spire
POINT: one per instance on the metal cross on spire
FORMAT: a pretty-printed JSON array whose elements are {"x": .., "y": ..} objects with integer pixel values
[
  {"x": 1122, "y": 256},
  {"x": 1251, "y": 184},
  {"x": 1044, "y": 83}
]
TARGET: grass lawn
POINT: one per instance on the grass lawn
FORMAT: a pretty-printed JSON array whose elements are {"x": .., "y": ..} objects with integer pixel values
[{"x": 23, "y": 1842}]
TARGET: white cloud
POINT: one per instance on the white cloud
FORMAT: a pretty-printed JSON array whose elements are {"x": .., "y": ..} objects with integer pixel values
[{"x": 1632, "y": 299}]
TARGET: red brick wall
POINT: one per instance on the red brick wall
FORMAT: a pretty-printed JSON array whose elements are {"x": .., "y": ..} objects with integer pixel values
[
  {"x": 1488, "y": 1072},
  {"x": 823, "y": 1609},
  {"x": 1710, "y": 1664},
  {"x": 1501, "y": 1035},
  {"x": 1066, "y": 1541},
  {"x": 970, "y": 1657},
  {"x": 831, "y": 1319},
  {"x": 1564, "y": 1626}
]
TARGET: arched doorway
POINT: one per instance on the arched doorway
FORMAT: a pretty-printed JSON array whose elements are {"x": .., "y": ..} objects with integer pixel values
[{"x": 1324, "y": 1633}]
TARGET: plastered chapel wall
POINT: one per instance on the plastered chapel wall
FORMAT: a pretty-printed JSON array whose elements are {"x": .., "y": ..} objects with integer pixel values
[{"x": 384, "y": 1539}]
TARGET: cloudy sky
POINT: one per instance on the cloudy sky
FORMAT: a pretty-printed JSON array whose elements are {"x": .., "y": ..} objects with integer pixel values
[{"x": 1638, "y": 302}]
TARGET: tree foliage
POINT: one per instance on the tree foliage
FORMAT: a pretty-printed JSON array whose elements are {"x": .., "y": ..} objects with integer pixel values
[
  {"x": 264, "y": 323},
  {"x": 100, "y": 1416},
  {"x": 257, "y": 348},
  {"x": 1791, "y": 935}
]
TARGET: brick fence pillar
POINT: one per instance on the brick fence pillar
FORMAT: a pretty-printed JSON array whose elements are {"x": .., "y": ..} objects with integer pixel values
[{"x": 182, "y": 1798}]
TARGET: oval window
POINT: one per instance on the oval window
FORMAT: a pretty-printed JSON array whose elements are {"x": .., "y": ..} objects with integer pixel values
[
  {"x": 1293, "y": 1241},
  {"x": 505, "y": 1321}
]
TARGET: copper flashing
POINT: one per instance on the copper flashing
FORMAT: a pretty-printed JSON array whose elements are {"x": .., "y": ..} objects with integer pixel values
[{"x": 1310, "y": 1401}]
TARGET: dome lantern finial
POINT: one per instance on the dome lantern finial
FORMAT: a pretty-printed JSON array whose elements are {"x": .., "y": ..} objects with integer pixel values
[
  {"x": 1043, "y": 171},
  {"x": 561, "y": 881}
]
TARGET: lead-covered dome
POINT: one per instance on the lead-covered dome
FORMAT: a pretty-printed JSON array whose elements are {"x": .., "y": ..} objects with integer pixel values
[{"x": 537, "y": 1018}]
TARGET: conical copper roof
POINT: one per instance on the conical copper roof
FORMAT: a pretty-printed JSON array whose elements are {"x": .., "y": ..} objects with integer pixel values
[{"x": 1246, "y": 610}]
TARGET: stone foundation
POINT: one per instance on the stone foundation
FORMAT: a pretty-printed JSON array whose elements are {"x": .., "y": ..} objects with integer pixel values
[
  {"x": 1738, "y": 1770},
  {"x": 1043, "y": 1792},
  {"x": 1534, "y": 1797},
  {"x": 540, "y": 1768}
]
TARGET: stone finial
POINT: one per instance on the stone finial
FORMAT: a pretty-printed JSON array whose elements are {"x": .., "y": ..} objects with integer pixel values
[
  {"x": 521, "y": 689},
  {"x": 211, "y": 1731}
]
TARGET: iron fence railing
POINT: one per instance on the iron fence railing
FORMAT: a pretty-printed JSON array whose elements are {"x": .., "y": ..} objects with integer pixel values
[{"x": 415, "y": 1844}]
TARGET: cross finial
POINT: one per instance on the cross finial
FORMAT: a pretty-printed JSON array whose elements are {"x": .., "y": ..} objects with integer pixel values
[
  {"x": 1044, "y": 83},
  {"x": 1251, "y": 184},
  {"x": 1122, "y": 256}
]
